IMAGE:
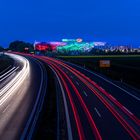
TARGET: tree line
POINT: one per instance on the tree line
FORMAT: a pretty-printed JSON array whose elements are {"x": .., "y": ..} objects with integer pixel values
[{"x": 19, "y": 46}]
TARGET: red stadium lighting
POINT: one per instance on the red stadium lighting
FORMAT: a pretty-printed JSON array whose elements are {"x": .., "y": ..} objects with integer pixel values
[
  {"x": 41, "y": 47},
  {"x": 48, "y": 46}
]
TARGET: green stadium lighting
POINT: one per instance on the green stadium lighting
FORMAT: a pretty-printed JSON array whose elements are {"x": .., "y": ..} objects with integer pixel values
[{"x": 76, "y": 46}]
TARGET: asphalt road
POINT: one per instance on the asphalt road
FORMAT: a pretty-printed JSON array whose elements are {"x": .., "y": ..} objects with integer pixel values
[
  {"x": 129, "y": 97},
  {"x": 19, "y": 95},
  {"x": 93, "y": 112},
  {"x": 95, "y": 107}
]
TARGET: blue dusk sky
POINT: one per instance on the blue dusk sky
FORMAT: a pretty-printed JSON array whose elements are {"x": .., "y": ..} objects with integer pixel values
[{"x": 113, "y": 21}]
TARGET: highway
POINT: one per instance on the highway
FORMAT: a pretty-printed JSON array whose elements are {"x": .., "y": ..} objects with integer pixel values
[
  {"x": 120, "y": 92},
  {"x": 93, "y": 112},
  {"x": 95, "y": 107},
  {"x": 18, "y": 97}
]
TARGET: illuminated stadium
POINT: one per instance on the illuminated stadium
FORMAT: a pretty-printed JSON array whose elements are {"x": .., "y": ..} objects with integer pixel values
[
  {"x": 82, "y": 47},
  {"x": 68, "y": 45},
  {"x": 47, "y": 46}
]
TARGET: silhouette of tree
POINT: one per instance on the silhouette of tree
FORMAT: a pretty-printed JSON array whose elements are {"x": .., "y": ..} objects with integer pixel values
[{"x": 20, "y": 46}]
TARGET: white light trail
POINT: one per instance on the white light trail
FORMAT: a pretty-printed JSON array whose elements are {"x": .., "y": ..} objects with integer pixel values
[
  {"x": 8, "y": 74},
  {"x": 16, "y": 82}
]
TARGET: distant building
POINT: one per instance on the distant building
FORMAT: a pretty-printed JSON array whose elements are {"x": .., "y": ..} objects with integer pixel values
[{"x": 47, "y": 46}]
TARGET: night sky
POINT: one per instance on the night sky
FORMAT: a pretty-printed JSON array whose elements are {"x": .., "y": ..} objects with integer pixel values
[{"x": 114, "y": 21}]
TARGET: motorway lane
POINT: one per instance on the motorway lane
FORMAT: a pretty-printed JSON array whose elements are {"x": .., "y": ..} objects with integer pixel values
[
  {"x": 124, "y": 134},
  {"x": 105, "y": 121},
  {"x": 76, "y": 116},
  {"x": 15, "y": 111},
  {"x": 120, "y": 93},
  {"x": 119, "y": 118},
  {"x": 77, "y": 112},
  {"x": 136, "y": 120}
]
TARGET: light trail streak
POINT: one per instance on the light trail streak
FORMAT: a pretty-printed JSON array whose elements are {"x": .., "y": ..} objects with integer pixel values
[
  {"x": 76, "y": 116},
  {"x": 16, "y": 82},
  {"x": 7, "y": 72},
  {"x": 99, "y": 93},
  {"x": 5, "y": 69},
  {"x": 133, "y": 117},
  {"x": 69, "y": 129},
  {"x": 90, "y": 119},
  {"x": 89, "y": 84},
  {"x": 7, "y": 75}
]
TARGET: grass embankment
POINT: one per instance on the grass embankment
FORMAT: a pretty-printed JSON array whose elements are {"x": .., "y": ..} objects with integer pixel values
[
  {"x": 5, "y": 62},
  {"x": 123, "y": 67},
  {"x": 100, "y": 56}
]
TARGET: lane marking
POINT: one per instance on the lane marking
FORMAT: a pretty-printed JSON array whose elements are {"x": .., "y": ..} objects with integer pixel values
[
  {"x": 69, "y": 129},
  {"x": 85, "y": 93},
  {"x": 97, "y": 112},
  {"x": 112, "y": 97},
  {"x": 26, "y": 129},
  {"x": 5, "y": 109},
  {"x": 102, "y": 88},
  {"x": 127, "y": 110},
  {"x": 77, "y": 83},
  {"x": 137, "y": 98}
]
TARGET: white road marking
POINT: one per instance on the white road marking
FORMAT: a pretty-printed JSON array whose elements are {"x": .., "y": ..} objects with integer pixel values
[
  {"x": 97, "y": 112},
  {"x": 69, "y": 129},
  {"x": 5, "y": 109},
  {"x": 137, "y": 98},
  {"x": 77, "y": 83},
  {"x": 112, "y": 97},
  {"x": 102, "y": 88},
  {"x": 31, "y": 118},
  {"x": 127, "y": 110},
  {"x": 85, "y": 93}
]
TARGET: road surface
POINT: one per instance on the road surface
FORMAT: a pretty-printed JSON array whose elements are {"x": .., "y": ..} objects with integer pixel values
[
  {"x": 18, "y": 96},
  {"x": 95, "y": 107},
  {"x": 93, "y": 112}
]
